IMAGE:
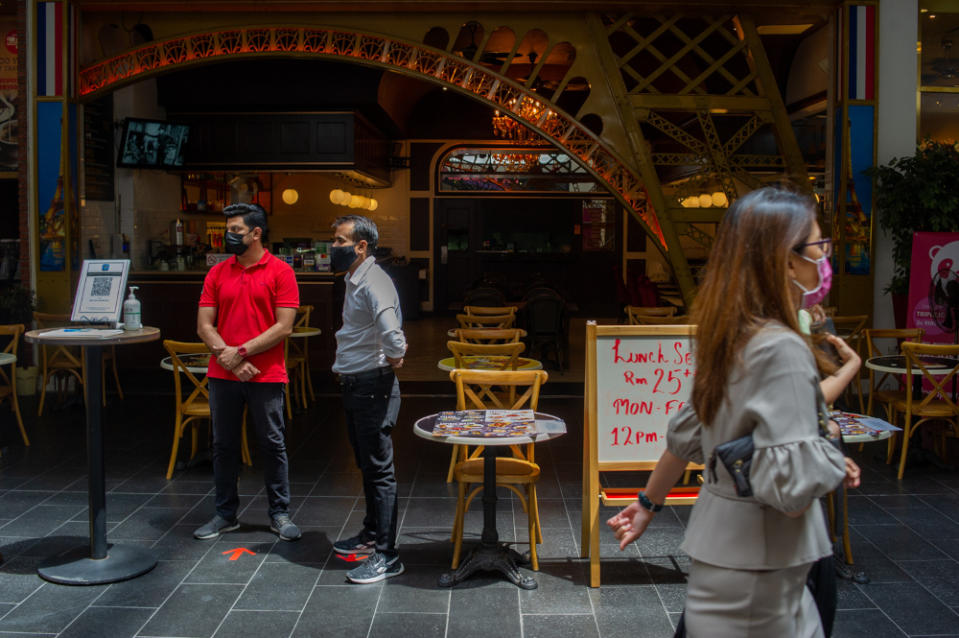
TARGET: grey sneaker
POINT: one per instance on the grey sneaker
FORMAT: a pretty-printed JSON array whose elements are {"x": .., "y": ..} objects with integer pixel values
[
  {"x": 375, "y": 568},
  {"x": 285, "y": 528},
  {"x": 218, "y": 525},
  {"x": 354, "y": 545}
]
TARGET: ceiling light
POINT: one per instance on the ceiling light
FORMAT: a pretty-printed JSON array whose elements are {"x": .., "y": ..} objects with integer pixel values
[{"x": 290, "y": 196}]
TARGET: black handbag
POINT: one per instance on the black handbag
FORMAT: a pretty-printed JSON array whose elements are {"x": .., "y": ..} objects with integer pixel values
[{"x": 737, "y": 457}]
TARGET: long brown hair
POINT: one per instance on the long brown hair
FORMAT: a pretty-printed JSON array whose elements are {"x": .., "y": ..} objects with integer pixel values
[{"x": 747, "y": 284}]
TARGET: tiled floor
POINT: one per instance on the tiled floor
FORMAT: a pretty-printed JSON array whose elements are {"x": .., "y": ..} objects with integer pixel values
[{"x": 905, "y": 535}]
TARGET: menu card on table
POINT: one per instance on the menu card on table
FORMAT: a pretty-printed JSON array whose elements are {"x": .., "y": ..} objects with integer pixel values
[
  {"x": 485, "y": 423},
  {"x": 851, "y": 424}
]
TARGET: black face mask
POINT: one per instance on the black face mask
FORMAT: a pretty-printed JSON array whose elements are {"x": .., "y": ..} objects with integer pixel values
[
  {"x": 233, "y": 243},
  {"x": 342, "y": 257}
]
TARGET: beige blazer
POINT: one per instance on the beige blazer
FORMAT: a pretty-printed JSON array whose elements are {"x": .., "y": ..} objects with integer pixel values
[{"x": 774, "y": 393}]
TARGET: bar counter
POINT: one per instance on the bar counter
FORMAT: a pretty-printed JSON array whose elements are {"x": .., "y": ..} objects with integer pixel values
[{"x": 169, "y": 301}]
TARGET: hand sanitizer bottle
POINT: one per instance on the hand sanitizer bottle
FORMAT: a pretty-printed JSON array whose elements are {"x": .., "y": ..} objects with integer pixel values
[{"x": 131, "y": 311}]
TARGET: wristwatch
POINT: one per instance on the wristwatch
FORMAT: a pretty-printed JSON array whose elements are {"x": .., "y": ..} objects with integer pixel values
[
  {"x": 241, "y": 351},
  {"x": 648, "y": 504}
]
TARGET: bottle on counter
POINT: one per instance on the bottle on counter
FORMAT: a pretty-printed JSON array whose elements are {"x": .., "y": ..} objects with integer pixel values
[
  {"x": 178, "y": 234},
  {"x": 131, "y": 311}
]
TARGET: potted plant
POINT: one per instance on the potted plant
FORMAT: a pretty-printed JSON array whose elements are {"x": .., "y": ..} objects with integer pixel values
[
  {"x": 913, "y": 194},
  {"x": 16, "y": 305}
]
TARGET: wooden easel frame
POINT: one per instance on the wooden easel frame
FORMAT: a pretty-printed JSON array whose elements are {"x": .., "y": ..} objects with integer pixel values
[{"x": 593, "y": 492}]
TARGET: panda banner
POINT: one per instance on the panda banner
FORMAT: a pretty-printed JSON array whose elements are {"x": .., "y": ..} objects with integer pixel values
[{"x": 934, "y": 286}]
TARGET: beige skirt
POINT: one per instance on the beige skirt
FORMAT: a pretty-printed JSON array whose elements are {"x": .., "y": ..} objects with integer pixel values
[{"x": 733, "y": 603}]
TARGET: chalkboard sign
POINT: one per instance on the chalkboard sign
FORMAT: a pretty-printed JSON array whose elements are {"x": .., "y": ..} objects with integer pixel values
[
  {"x": 641, "y": 381},
  {"x": 637, "y": 378}
]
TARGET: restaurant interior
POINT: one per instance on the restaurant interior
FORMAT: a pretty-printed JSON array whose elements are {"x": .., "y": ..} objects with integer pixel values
[{"x": 534, "y": 169}]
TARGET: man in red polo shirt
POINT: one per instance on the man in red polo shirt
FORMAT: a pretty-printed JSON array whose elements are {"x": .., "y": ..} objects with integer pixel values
[{"x": 247, "y": 309}]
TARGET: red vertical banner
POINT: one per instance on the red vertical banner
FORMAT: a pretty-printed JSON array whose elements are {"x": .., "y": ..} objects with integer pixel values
[{"x": 934, "y": 286}]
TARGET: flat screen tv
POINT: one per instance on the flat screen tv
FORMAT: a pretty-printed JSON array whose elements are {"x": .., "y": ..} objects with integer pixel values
[{"x": 152, "y": 144}]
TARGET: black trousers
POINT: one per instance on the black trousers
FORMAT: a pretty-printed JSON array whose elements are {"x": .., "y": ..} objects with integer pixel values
[
  {"x": 370, "y": 416},
  {"x": 264, "y": 402}
]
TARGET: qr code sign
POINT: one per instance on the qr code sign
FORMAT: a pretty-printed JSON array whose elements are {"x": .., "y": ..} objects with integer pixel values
[{"x": 101, "y": 286}]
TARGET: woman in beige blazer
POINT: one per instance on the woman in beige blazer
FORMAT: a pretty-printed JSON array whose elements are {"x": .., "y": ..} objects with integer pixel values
[{"x": 754, "y": 374}]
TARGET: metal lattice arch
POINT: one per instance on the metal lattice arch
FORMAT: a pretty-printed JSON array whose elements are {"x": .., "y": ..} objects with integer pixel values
[
  {"x": 382, "y": 51},
  {"x": 625, "y": 59}
]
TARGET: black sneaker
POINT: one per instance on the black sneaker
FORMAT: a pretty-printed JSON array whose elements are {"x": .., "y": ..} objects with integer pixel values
[
  {"x": 285, "y": 528},
  {"x": 375, "y": 568},
  {"x": 354, "y": 545},
  {"x": 215, "y": 527}
]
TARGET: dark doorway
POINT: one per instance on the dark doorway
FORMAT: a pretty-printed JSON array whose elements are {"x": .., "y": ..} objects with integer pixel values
[{"x": 516, "y": 244}]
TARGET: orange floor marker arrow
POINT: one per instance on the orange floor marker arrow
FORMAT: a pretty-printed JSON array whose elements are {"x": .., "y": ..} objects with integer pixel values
[{"x": 237, "y": 552}]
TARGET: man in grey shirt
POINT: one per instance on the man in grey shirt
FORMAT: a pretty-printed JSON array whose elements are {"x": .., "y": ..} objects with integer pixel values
[{"x": 369, "y": 346}]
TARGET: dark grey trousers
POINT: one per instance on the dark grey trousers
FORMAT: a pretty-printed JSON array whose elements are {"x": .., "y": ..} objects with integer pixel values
[{"x": 370, "y": 416}]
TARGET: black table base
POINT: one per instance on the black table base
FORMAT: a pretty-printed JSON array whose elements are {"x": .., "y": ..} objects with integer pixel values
[
  {"x": 491, "y": 559},
  {"x": 75, "y": 567},
  {"x": 98, "y": 563},
  {"x": 490, "y": 555}
]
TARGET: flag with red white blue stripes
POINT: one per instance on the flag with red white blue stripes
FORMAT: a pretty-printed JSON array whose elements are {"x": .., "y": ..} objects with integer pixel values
[
  {"x": 50, "y": 49},
  {"x": 862, "y": 52}
]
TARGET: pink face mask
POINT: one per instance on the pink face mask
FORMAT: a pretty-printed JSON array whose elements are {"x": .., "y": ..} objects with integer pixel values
[{"x": 816, "y": 295}]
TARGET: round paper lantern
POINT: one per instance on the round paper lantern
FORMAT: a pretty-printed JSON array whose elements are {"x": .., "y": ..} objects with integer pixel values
[
  {"x": 705, "y": 200},
  {"x": 290, "y": 196},
  {"x": 334, "y": 195}
]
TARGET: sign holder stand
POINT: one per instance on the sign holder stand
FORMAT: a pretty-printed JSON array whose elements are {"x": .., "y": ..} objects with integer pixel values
[{"x": 594, "y": 493}]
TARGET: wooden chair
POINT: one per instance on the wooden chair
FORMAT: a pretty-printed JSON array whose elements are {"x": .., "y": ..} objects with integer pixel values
[
  {"x": 460, "y": 350},
  {"x": 489, "y": 310},
  {"x": 486, "y": 321},
  {"x": 66, "y": 361},
  {"x": 887, "y": 397},
  {"x": 512, "y": 351},
  {"x": 296, "y": 354},
  {"x": 8, "y": 383},
  {"x": 520, "y": 470},
  {"x": 193, "y": 406},
  {"x": 936, "y": 405},
  {"x": 59, "y": 362},
  {"x": 489, "y": 335},
  {"x": 645, "y": 320},
  {"x": 547, "y": 322},
  {"x": 850, "y": 328},
  {"x": 634, "y": 312}
]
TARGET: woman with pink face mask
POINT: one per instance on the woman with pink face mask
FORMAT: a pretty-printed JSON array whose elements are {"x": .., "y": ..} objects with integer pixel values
[{"x": 757, "y": 380}]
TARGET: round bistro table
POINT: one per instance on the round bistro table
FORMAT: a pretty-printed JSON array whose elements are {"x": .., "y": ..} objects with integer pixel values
[
  {"x": 489, "y": 362},
  {"x": 896, "y": 364},
  {"x": 97, "y": 563},
  {"x": 844, "y": 561},
  {"x": 490, "y": 554},
  {"x": 196, "y": 363}
]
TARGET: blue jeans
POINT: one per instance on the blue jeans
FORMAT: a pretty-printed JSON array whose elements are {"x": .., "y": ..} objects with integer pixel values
[
  {"x": 264, "y": 402},
  {"x": 370, "y": 416}
]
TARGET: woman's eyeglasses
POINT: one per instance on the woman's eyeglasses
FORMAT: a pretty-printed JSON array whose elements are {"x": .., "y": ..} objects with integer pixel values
[{"x": 824, "y": 244}]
